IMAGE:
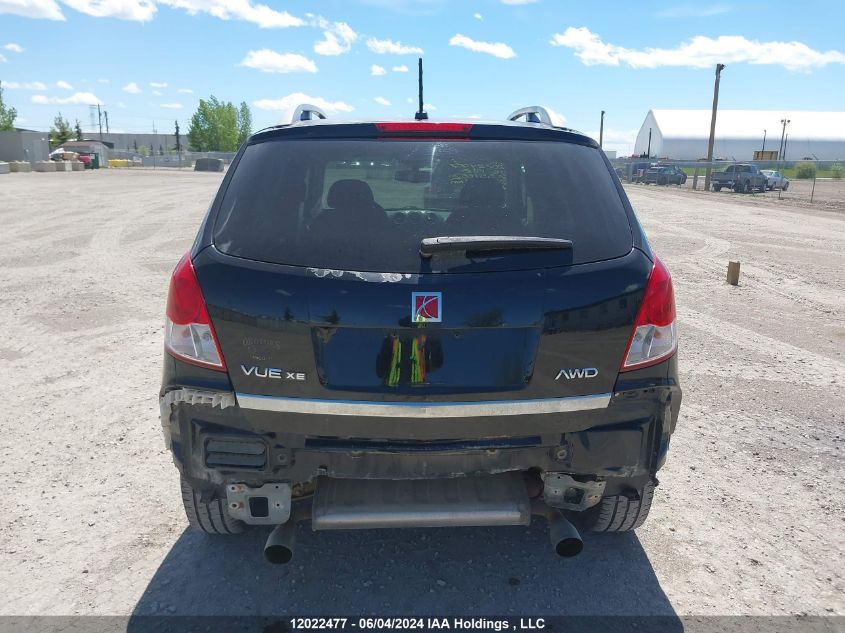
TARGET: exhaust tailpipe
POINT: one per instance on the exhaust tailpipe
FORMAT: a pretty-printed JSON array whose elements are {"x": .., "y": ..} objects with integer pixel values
[
  {"x": 279, "y": 546},
  {"x": 564, "y": 536}
]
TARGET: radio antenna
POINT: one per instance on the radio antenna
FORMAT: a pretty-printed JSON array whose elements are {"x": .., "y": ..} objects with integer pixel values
[{"x": 421, "y": 114}]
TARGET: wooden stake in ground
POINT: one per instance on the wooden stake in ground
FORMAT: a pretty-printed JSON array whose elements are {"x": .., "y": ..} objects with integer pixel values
[{"x": 733, "y": 273}]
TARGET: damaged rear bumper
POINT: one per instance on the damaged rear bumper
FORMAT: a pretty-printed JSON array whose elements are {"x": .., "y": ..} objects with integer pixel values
[{"x": 218, "y": 438}]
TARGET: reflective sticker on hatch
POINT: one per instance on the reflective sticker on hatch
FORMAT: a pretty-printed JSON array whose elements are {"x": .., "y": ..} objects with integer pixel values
[{"x": 426, "y": 307}]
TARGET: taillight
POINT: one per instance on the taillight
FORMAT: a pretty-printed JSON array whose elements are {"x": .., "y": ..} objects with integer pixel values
[
  {"x": 654, "y": 337},
  {"x": 188, "y": 333}
]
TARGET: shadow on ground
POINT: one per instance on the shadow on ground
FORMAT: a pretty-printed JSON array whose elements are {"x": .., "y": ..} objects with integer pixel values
[{"x": 466, "y": 571}]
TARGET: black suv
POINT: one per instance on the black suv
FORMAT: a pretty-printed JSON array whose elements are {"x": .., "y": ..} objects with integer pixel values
[{"x": 419, "y": 324}]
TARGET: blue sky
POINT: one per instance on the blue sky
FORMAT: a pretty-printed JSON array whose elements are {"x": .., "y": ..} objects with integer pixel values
[{"x": 148, "y": 62}]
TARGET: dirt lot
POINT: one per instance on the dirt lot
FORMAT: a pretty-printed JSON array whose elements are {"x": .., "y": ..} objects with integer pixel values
[{"x": 749, "y": 517}]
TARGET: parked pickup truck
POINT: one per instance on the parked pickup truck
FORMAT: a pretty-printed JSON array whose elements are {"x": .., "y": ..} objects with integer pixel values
[{"x": 740, "y": 178}]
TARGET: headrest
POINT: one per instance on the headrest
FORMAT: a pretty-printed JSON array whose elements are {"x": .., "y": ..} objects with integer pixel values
[
  {"x": 350, "y": 193},
  {"x": 482, "y": 192}
]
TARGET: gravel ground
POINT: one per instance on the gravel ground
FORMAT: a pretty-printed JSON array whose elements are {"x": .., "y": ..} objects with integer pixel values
[{"x": 748, "y": 518}]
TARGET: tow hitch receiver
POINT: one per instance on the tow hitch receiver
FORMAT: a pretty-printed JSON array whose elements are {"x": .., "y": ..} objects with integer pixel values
[
  {"x": 267, "y": 505},
  {"x": 564, "y": 492}
]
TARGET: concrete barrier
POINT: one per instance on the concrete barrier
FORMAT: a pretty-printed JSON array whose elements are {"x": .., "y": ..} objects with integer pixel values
[
  {"x": 4, "y": 168},
  {"x": 63, "y": 165},
  {"x": 119, "y": 163},
  {"x": 208, "y": 164},
  {"x": 77, "y": 165},
  {"x": 44, "y": 165},
  {"x": 20, "y": 166}
]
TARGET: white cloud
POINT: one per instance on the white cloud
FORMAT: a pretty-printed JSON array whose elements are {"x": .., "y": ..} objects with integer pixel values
[
  {"x": 377, "y": 71},
  {"x": 135, "y": 10},
  {"x": 400, "y": 69},
  {"x": 77, "y": 98},
  {"x": 694, "y": 11},
  {"x": 15, "y": 48},
  {"x": 39, "y": 9},
  {"x": 478, "y": 16},
  {"x": 158, "y": 84},
  {"x": 185, "y": 91},
  {"x": 132, "y": 88},
  {"x": 269, "y": 61},
  {"x": 63, "y": 85},
  {"x": 286, "y": 105},
  {"x": 382, "y": 101},
  {"x": 145, "y": 10},
  {"x": 172, "y": 106},
  {"x": 2, "y": 58},
  {"x": 338, "y": 38},
  {"x": 260, "y": 14},
  {"x": 497, "y": 49},
  {"x": 32, "y": 85},
  {"x": 157, "y": 93},
  {"x": 382, "y": 47},
  {"x": 699, "y": 52}
]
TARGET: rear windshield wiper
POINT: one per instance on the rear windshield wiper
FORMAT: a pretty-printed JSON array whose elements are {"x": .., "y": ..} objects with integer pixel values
[{"x": 489, "y": 244}]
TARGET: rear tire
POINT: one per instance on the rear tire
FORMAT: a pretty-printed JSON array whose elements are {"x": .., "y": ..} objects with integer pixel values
[
  {"x": 211, "y": 517},
  {"x": 619, "y": 513},
  {"x": 717, "y": 187}
]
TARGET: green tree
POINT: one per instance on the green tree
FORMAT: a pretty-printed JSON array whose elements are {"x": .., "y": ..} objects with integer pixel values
[
  {"x": 244, "y": 122},
  {"x": 78, "y": 129},
  {"x": 214, "y": 126},
  {"x": 61, "y": 131},
  {"x": 178, "y": 139},
  {"x": 7, "y": 114}
]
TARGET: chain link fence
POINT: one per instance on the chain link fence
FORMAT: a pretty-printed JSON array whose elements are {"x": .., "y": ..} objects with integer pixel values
[
  {"x": 808, "y": 181},
  {"x": 183, "y": 160}
]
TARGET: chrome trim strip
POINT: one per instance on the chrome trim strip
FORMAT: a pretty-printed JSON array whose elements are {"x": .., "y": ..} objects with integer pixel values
[{"x": 369, "y": 408}]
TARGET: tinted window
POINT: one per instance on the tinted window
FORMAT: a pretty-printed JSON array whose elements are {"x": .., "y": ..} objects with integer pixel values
[{"x": 365, "y": 205}]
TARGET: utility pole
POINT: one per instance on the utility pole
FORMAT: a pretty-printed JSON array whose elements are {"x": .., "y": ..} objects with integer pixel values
[
  {"x": 648, "y": 152},
  {"x": 106, "y": 112},
  {"x": 785, "y": 141},
  {"x": 100, "y": 119},
  {"x": 719, "y": 69},
  {"x": 764, "y": 145},
  {"x": 781, "y": 148},
  {"x": 601, "y": 130}
]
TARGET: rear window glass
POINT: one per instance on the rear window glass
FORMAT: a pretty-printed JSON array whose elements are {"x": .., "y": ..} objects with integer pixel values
[{"x": 365, "y": 205}]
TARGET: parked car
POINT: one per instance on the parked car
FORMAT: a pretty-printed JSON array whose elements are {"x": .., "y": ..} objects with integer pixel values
[
  {"x": 775, "y": 180},
  {"x": 741, "y": 178},
  {"x": 85, "y": 159},
  {"x": 338, "y": 351},
  {"x": 665, "y": 175},
  {"x": 637, "y": 171}
]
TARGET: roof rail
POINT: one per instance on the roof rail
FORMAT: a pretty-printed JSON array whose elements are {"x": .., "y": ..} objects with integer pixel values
[
  {"x": 532, "y": 114},
  {"x": 307, "y": 112}
]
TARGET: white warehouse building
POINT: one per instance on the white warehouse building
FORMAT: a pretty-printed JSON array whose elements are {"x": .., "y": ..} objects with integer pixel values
[{"x": 683, "y": 134}]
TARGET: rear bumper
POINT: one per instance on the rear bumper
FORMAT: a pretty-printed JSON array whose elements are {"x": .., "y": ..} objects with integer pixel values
[{"x": 218, "y": 437}]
